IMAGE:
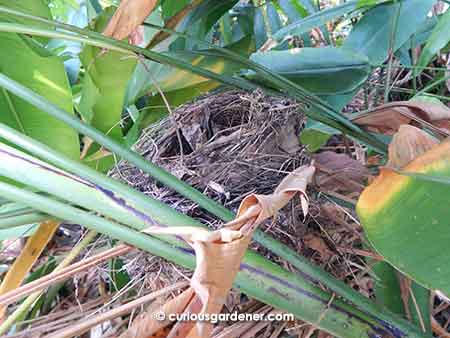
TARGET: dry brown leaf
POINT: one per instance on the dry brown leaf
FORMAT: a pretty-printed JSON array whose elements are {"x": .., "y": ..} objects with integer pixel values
[
  {"x": 407, "y": 144},
  {"x": 127, "y": 18},
  {"x": 148, "y": 326},
  {"x": 339, "y": 172},
  {"x": 318, "y": 244},
  {"x": 219, "y": 254},
  {"x": 389, "y": 117}
]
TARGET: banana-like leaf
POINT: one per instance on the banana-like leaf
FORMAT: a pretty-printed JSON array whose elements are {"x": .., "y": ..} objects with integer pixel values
[
  {"x": 438, "y": 39},
  {"x": 322, "y": 18},
  {"x": 148, "y": 74},
  {"x": 36, "y": 7},
  {"x": 105, "y": 82},
  {"x": 323, "y": 71},
  {"x": 46, "y": 75},
  {"x": 387, "y": 26},
  {"x": 406, "y": 219}
]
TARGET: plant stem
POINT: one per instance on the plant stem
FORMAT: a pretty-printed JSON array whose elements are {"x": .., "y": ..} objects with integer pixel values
[
  {"x": 391, "y": 52},
  {"x": 258, "y": 277}
]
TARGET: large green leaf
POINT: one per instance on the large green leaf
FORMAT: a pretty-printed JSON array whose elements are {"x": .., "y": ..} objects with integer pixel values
[
  {"x": 259, "y": 28},
  {"x": 388, "y": 293},
  {"x": 372, "y": 35},
  {"x": 200, "y": 20},
  {"x": 169, "y": 7},
  {"x": 171, "y": 79},
  {"x": 46, "y": 76},
  {"x": 106, "y": 79},
  {"x": 406, "y": 218},
  {"x": 438, "y": 39},
  {"x": 35, "y": 7},
  {"x": 321, "y": 18},
  {"x": 418, "y": 38},
  {"x": 323, "y": 71}
]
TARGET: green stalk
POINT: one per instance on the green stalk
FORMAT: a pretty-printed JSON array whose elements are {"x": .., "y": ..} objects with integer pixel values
[
  {"x": 32, "y": 217},
  {"x": 258, "y": 277}
]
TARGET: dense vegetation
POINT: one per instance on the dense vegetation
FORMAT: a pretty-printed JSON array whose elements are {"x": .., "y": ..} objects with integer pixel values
[{"x": 81, "y": 80}]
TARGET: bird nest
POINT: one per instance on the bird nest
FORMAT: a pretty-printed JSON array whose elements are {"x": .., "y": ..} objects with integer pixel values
[{"x": 227, "y": 145}]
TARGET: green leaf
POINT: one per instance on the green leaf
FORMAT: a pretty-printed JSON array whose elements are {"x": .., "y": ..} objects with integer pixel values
[
  {"x": 318, "y": 19},
  {"x": 171, "y": 79},
  {"x": 259, "y": 28},
  {"x": 372, "y": 34},
  {"x": 388, "y": 294},
  {"x": 323, "y": 71},
  {"x": 35, "y": 7},
  {"x": 106, "y": 79},
  {"x": 45, "y": 75},
  {"x": 314, "y": 139},
  {"x": 18, "y": 232},
  {"x": 407, "y": 222},
  {"x": 273, "y": 18},
  {"x": 387, "y": 287},
  {"x": 169, "y": 7},
  {"x": 438, "y": 39},
  {"x": 418, "y": 38},
  {"x": 292, "y": 12}
]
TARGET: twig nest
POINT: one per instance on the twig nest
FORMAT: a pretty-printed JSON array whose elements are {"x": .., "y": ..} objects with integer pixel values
[{"x": 226, "y": 145}]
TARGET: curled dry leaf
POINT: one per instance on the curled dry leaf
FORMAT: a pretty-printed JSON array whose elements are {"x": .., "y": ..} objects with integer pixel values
[
  {"x": 128, "y": 17},
  {"x": 388, "y": 118},
  {"x": 407, "y": 144},
  {"x": 218, "y": 255}
]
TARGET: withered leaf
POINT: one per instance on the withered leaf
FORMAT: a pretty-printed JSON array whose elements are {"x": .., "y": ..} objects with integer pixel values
[
  {"x": 219, "y": 254},
  {"x": 128, "y": 17},
  {"x": 407, "y": 144},
  {"x": 339, "y": 172},
  {"x": 389, "y": 117}
]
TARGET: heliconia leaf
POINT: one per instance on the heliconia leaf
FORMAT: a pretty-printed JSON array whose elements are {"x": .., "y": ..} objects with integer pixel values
[
  {"x": 173, "y": 22},
  {"x": 32, "y": 66},
  {"x": 406, "y": 221},
  {"x": 106, "y": 79},
  {"x": 327, "y": 70},
  {"x": 437, "y": 40},
  {"x": 317, "y": 19},
  {"x": 372, "y": 35}
]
